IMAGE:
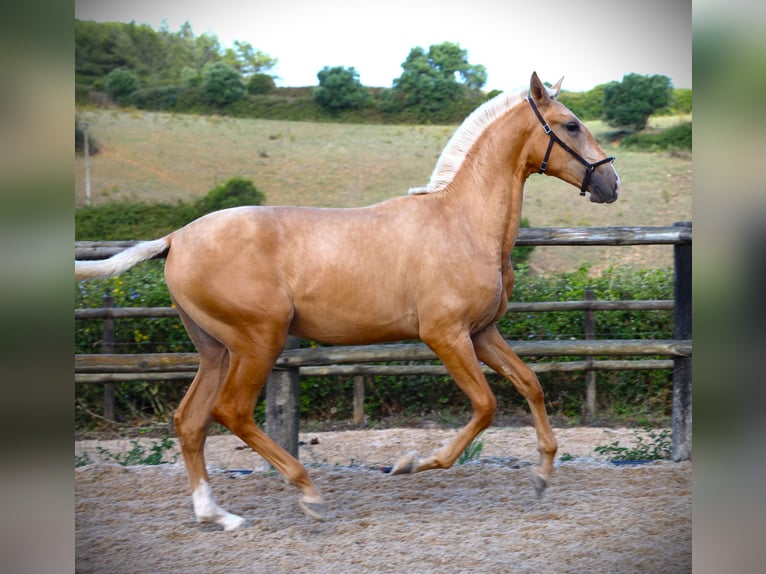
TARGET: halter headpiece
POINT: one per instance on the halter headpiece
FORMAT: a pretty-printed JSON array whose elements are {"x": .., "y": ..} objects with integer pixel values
[{"x": 589, "y": 167}]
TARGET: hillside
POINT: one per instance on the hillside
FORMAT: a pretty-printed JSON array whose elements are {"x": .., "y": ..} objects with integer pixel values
[{"x": 164, "y": 157}]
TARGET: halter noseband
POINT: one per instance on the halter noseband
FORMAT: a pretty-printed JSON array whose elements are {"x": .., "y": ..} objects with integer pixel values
[{"x": 589, "y": 167}]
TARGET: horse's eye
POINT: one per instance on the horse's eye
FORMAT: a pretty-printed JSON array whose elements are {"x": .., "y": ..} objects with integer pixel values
[{"x": 573, "y": 128}]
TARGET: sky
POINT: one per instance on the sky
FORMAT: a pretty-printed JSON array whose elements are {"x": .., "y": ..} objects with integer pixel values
[{"x": 589, "y": 42}]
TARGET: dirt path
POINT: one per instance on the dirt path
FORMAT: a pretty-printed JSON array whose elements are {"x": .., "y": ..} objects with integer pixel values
[{"x": 478, "y": 517}]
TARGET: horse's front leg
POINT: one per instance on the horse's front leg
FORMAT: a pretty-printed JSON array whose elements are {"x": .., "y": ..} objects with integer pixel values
[
  {"x": 494, "y": 351},
  {"x": 458, "y": 356}
]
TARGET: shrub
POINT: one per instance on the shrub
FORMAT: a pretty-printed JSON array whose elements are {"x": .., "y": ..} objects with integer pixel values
[
  {"x": 678, "y": 137},
  {"x": 235, "y": 192},
  {"x": 260, "y": 84},
  {"x": 120, "y": 84},
  {"x": 339, "y": 89},
  {"x": 163, "y": 98},
  {"x": 126, "y": 220},
  {"x": 222, "y": 84},
  {"x": 522, "y": 253}
]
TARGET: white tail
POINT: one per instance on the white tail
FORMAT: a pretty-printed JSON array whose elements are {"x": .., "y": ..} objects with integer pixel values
[{"x": 123, "y": 261}]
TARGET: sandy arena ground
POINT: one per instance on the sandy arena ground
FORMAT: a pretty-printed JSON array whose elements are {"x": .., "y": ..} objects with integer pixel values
[{"x": 483, "y": 516}]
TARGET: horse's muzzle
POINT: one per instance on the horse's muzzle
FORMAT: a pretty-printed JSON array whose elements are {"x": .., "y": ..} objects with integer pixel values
[{"x": 604, "y": 186}]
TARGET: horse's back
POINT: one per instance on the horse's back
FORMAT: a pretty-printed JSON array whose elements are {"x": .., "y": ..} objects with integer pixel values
[{"x": 339, "y": 274}]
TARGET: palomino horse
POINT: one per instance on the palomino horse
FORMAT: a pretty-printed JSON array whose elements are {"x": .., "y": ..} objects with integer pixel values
[{"x": 433, "y": 264}]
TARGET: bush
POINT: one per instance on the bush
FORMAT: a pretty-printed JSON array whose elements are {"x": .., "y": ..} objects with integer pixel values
[
  {"x": 222, "y": 84},
  {"x": 163, "y": 98},
  {"x": 260, "y": 84},
  {"x": 521, "y": 253},
  {"x": 235, "y": 192},
  {"x": 678, "y": 137},
  {"x": 126, "y": 220},
  {"x": 339, "y": 89},
  {"x": 120, "y": 84},
  {"x": 585, "y": 105}
]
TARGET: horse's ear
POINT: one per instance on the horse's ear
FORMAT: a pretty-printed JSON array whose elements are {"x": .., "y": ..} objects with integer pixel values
[
  {"x": 538, "y": 91},
  {"x": 554, "y": 91}
]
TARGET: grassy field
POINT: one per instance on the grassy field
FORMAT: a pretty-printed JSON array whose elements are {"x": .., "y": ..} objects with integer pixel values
[{"x": 155, "y": 157}]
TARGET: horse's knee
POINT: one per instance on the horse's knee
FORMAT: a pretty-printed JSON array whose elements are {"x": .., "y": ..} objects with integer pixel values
[{"x": 189, "y": 429}]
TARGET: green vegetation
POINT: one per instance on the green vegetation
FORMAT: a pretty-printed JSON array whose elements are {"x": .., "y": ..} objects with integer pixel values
[
  {"x": 137, "y": 455},
  {"x": 656, "y": 445},
  {"x": 129, "y": 220},
  {"x": 678, "y": 137},
  {"x": 472, "y": 451},
  {"x": 429, "y": 89},
  {"x": 133, "y": 65},
  {"x": 222, "y": 84},
  {"x": 340, "y": 89},
  {"x": 628, "y": 104}
]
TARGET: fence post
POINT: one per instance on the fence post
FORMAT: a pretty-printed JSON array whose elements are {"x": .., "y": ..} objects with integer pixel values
[
  {"x": 590, "y": 373},
  {"x": 283, "y": 404},
  {"x": 682, "y": 366},
  {"x": 107, "y": 346},
  {"x": 358, "y": 399}
]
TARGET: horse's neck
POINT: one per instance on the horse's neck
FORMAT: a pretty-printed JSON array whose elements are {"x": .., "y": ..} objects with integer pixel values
[{"x": 490, "y": 184}]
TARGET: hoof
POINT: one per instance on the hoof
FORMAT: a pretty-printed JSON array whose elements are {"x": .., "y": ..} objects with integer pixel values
[
  {"x": 408, "y": 464},
  {"x": 227, "y": 520},
  {"x": 232, "y": 522},
  {"x": 315, "y": 510},
  {"x": 539, "y": 483}
]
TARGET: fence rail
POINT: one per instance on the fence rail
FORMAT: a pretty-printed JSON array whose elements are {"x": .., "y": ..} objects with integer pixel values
[
  {"x": 669, "y": 235},
  {"x": 355, "y": 360}
]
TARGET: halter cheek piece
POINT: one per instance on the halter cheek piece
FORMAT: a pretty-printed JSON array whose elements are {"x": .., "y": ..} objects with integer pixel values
[{"x": 589, "y": 167}]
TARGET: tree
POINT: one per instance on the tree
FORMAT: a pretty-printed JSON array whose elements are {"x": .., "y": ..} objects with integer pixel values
[
  {"x": 247, "y": 60},
  {"x": 120, "y": 84},
  {"x": 436, "y": 84},
  {"x": 628, "y": 104},
  {"x": 340, "y": 89},
  {"x": 222, "y": 84}
]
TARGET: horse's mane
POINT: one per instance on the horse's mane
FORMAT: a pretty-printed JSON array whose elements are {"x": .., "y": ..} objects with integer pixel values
[{"x": 451, "y": 158}]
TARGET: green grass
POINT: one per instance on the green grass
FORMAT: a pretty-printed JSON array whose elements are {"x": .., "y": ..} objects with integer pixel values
[{"x": 159, "y": 157}]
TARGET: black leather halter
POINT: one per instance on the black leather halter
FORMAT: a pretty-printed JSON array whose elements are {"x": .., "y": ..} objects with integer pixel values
[{"x": 589, "y": 167}]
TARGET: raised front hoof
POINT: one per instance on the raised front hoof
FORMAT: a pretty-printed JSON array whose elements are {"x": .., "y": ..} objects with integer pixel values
[
  {"x": 315, "y": 510},
  {"x": 539, "y": 483},
  {"x": 408, "y": 464}
]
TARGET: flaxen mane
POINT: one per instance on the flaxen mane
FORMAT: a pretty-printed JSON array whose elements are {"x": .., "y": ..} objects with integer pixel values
[{"x": 465, "y": 136}]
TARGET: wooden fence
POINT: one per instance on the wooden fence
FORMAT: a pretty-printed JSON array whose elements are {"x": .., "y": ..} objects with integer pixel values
[{"x": 282, "y": 405}]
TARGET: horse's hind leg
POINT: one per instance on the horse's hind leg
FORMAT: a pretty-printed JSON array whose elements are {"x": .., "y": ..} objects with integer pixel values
[
  {"x": 192, "y": 420},
  {"x": 494, "y": 351},
  {"x": 234, "y": 409}
]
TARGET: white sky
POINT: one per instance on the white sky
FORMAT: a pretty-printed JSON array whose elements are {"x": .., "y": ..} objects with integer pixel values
[{"x": 590, "y": 42}]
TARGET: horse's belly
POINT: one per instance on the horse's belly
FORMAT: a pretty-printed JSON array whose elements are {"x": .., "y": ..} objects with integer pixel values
[{"x": 348, "y": 324}]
